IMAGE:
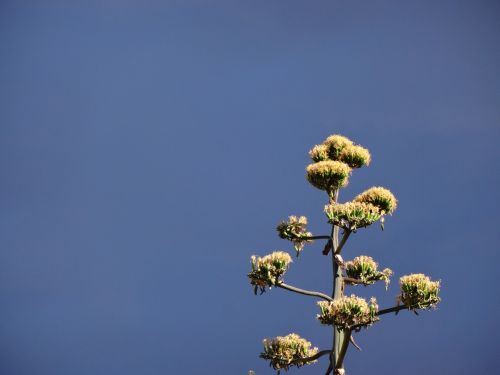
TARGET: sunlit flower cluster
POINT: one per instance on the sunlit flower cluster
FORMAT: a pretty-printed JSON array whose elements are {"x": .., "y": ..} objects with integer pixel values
[
  {"x": 333, "y": 160},
  {"x": 319, "y": 153},
  {"x": 352, "y": 215},
  {"x": 336, "y": 144},
  {"x": 379, "y": 197},
  {"x": 268, "y": 270},
  {"x": 295, "y": 230},
  {"x": 283, "y": 352},
  {"x": 339, "y": 148},
  {"x": 347, "y": 311},
  {"x": 418, "y": 291},
  {"x": 364, "y": 269},
  {"x": 328, "y": 175},
  {"x": 355, "y": 156}
]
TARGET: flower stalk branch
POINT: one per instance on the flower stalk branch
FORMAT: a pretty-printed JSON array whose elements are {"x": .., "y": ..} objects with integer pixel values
[{"x": 304, "y": 292}]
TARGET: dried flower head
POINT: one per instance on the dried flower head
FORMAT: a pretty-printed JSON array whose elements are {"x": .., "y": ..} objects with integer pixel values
[
  {"x": 418, "y": 291},
  {"x": 283, "y": 352},
  {"x": 347, "y": 311},
  {"x": 380, "y": 197},
  {"x": 364, "y": 269},
  {"x": 352, "y": 215},
  {"x": 295, "y": 230},
  {"x": 336, "y": 143},
  {"x": 355, "y": 156},
  {"x": 319, "y": 153},
  {"x": 328, "y": 175},
  {"x": 268, "y": 270}
]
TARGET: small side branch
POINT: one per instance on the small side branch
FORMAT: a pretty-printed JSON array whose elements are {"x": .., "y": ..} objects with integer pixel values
[
  {"x": 392, "y": 309},
  {"x": 314, "y": 357},
  {"x": 346, "y": 235},
  {"x": 312, "y": 238},
  {"x": 304, "y": 292}
]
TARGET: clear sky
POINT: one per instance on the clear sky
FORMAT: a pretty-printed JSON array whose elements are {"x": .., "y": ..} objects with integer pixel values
[{"x": 149, "y": 148}]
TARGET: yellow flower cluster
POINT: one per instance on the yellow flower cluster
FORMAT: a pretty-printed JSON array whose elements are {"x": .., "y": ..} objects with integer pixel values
[
  {"x": 364, "y": 269},
  {"x": 339, "y": 148},
  {"x": 319, "y": 153},
  {"x": 355, "y": 156},
  {"x": 380, "y": 197},
  {"x": 295, "y": 230},
  {"x": 336, "y": 144},
  {"x": 418, "y": 291},
  {"x": 333, "y": 160},
  {"x": 352, "y": 215},
  {"x": 347, "y": 311},
  {"x": 268, "y": 270},
  {"x": 284, "y": 352},
  {"x": 328, "y": 174}
]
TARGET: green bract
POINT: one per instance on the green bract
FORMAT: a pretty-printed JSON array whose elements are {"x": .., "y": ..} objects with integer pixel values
[
  {"x": 380, "y": 197},
  {"x": 345, "y": 312},
  {"x": 418, "y": 291},
  {"x": 268, "y": 270},
  {"x": 364, "y": 269},
  {"x": 283, "y": 352},
  {"x": 352, "y": 215},
  {"x": 328, "y": 175}
]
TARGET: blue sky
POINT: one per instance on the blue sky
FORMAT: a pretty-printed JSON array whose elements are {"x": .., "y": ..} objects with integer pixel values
[{"x": 149, "y": 148}]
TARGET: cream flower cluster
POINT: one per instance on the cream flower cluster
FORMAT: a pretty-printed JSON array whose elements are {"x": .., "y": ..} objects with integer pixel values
[
  {"x": 284, "y": 352},
  {"x": 333, "y": 161},
  {"x": 364, "y": 269},
  {"x": 319, "y": 153},
  {"x": 379, "y": 197},
  {"x": 352, "y": 215},
  {"x": 328, "y": 174},
  {"x": 339, "y": 148},
  {"x": 418, "y": 291},
  {"x": 268, "y": 270},
  {"x": 295, "y": 230},
  {"x": 347, "y": 311}
]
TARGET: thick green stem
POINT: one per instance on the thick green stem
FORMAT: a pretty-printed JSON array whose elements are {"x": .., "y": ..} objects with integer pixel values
[
  {"x": 338, "y": 293},
  {"x": 338, "y": 336},
  {"x": 343, "y": 350}
]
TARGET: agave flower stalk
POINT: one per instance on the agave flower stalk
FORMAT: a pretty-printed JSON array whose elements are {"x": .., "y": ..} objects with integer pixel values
[{"x": 333, "y": 162}]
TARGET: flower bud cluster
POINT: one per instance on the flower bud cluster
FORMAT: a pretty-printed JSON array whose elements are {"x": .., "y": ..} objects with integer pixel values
[
  {"x": 268, "y": 270},
  {"x": 339, "y": 148},
  {"x": 347, "y": 311},
  {"x": 284, "y": 352},
  {"x": 333, "y": 160},
  {"x": 379, "y": 197},
  {"x": 364, "y": 269},
  {"x": 418, "y": 291},
  {"x": 352, "y": 215},
  {"x": 295, "y": 230},
  {"x": 319, "y": 153},
  {"x": 336, "y": 144},
  {"x": 328, "y": 174},
  {"x": 355, "y": 156}
]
